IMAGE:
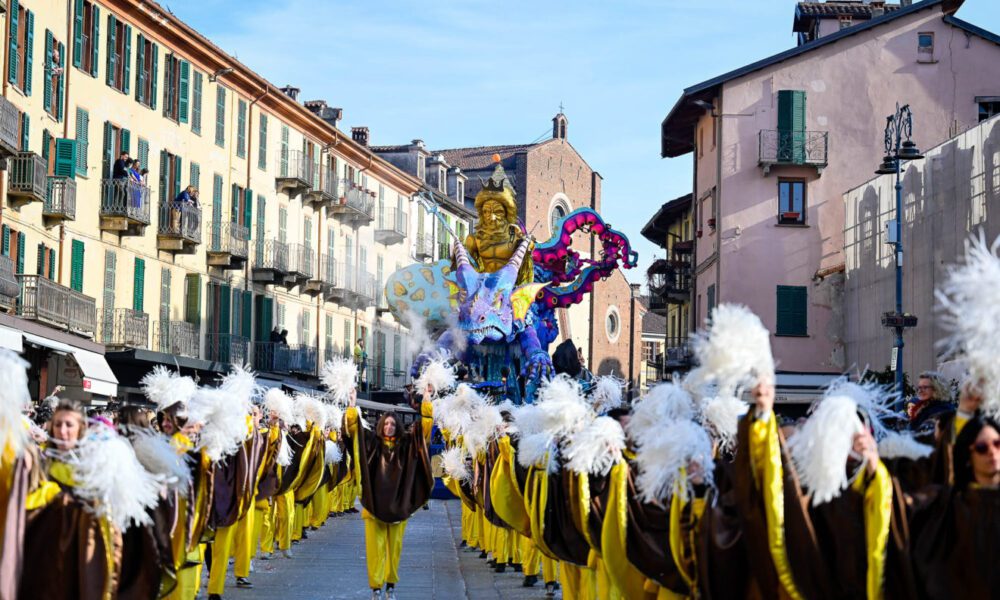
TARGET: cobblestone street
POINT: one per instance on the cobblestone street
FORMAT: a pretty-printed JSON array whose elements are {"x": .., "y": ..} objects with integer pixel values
[{"x": 331, "y": 565}]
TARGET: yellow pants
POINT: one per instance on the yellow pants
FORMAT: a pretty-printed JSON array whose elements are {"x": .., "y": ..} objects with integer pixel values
[
  {"x": 221, "y": 549},
  {"x": 298, "y": 519},
  {"x": 321, "y": 509},
  {"x": 284, "y": 517},
  {"x": 263, "y": 527},
  {"x": 188, "y": 577},
  {"x": 383, "y": 545},
  {"x": 578, "y": 582},
  {"x": 245, "y": 544}
]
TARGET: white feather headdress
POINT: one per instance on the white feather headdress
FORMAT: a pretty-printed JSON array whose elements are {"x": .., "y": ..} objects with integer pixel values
[
  {"x": 721, "y": 417},
  {"x": 485, "y": 426},
  {"x": 107, "y": 472},
  {"x": 14, "y": 400},
  {"x": 454, "y": 465},
  {"x": 438, "y": 374},
  {"x": 340, "y": 376},
  {"x": 278, "y": 402},
  {"x": 821, "y": 447},
  {"x": 334, "y": 416},
  {"x": 223, "y": 416},
  {"x": 902, "y": 445},
  {"x": 559, "y": 411},
  {"x": 333, "y": 454},
  {"x": 165, "y": 388},
  {"x": 160, "y": 458},
  {"x": 607, "y": 394},
  {"x": 969, "y": 314},
  {"x": 595, "y": 448},
  {"x": 734, "y": 351},
  {"x": 240, "y": 381},
  {"x": 454, "y": 411},
  {"x": 663, "y": 404},
  {"x": 311, "y": 409},
  {"x": 683, "y": 447}
]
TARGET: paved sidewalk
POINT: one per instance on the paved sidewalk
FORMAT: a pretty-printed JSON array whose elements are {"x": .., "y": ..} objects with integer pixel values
[{"x": 331, "y": 565}]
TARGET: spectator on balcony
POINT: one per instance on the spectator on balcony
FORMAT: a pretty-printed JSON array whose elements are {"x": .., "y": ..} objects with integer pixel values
[
  {"x": 183, "y": 199},
  {"x": 135, "y": 182},
  {"x": 121, "y": 167}
]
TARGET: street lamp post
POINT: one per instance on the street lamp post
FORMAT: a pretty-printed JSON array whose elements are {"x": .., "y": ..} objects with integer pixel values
[{"x": 898, "y": 148}]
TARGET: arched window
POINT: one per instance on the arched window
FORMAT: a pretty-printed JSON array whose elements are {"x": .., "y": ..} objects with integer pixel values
[{"x": 558, "y": 212}]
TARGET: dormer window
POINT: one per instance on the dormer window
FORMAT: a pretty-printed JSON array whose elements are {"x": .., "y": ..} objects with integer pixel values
[
  {"x": 846, "y": 21},
  {"x": 460, "y": 191},
  {"x": 925, "y": 47},
  {"x": 421, "y": 169},
  {"x": 442, "y": 180}
]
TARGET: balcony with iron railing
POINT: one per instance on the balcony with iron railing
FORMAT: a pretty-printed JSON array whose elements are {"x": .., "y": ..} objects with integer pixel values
[
  {"x": 28, "y": 178},
  {"x": 226, "y": 348},
  {"x": 10, "y": 128},
  {"x": 44, "y": 300},
  {"x": 423, "y": 248},
  {"x": 324, "y": 278},
  {"x": 228, "y": 245},
  {"x": 295, "y": 173},
  {"x": 121, "y": 328},
  {"x": 60, "y": 200},
  {"x": 326, "y": 190},
  {"x": 179, "y": 227},
  {"x": 677, "y": 353},
  {"x": 270, "y": 262},
  {"x": 365, "y": 292},
  {"x": 391, "y": 227},
  {"x": 776, "y": 147},
  {"x": 669, "y": 282},
  {"x": 385, "y": 379},
  {"x": 300, "y": 263},
  {"x": 354, "y": 205},
  {"x": 124, "y": 206},
  {"x": 278, "y": 357},
  {"x": 10, "y": 289},
  {"x": 179, "y": 338}
]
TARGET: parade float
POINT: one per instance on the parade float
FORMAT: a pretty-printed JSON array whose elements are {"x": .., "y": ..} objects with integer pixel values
[{"x": 493, "y": 304}]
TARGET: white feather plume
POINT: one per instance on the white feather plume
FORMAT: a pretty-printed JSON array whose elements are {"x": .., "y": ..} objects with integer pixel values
[
  {"x": 278, "y": 402},
  {"x": 453, "y": 463},
  {"x": 160, "y": 458},
  {"x": 484, "y": 426},
  {"x": 454, "y": 411},
  {"x": 821, "y": 447},
  {"x": 872, "y": 399},
  {"x": 334, "y": 417},
  {"x": 240, "y": 381},
  {"x": 721, "y": 416},
  {"x": 333, "y": 454},
  {"x": 683, "y": 446},
  {"x": 107, "y": 472},
  {"x": 223, "y": 416},
  {"x": 538, "y": 449},
  {"x": 559, "y": 411},
  {"x": 663, "y": 404},
  {"x": 15, "y": 399},
  {"x": 438, "y": 374},
  {"x": 607, "y": 394},
  {"x": 595, "y": 448},
  {"x": 340, "y": 376},
  {"x": 734, "y": 351},
  {"x": 902, "y": 445},
  {"x": 311, "y": 409},
  {"x": 284, "y": 457},
  {"x": 166, "y": 388}
]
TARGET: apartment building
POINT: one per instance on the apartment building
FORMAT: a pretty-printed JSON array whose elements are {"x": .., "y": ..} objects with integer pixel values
[{"x": 279, "y": 262}]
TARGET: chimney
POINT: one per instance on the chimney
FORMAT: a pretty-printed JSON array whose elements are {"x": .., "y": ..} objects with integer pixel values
[
  {"x": 360, "y": 135},
  {"x": 321, "y": 110},
  {"x": 878, "y": 8},
  {"x": 291, "y": 92}
]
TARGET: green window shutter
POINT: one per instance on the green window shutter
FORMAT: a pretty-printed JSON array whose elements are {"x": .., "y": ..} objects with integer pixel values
[
  {"x": 65, "y": 158},
  {"x": 127, "y": 58},
  {"x": 109, "y": 149},
  {"x": 192, "y": 300},
  {"x": 247, "y": 320},
  {"x": 52, "y": 266},
  {"x": 78, "y": 34},
  {"x": 264, "y": 317},
  {"x": 61, "y": 90},
  {"x": 12, "y": 11},
  {"x": 153, "y": 75},
  {"x": 284, "y": 150},
  {"x": 792, "y": 311},
  {"x": 220, "y": 116},
  {"x": 182, "y": 102},
  {"x": 29, "y": 24},
  {"x": 126, "y": 141},
  {"x": 261, "y": 211},
  {"x": 262, "y": 143},
  {"x": 241, "y": 129},
  {"x": 40, "y": 261},
  {"x": 112, "y": 45},
  {"x": 225, "y": 297},
  {"x": 95, "y": 36},
  {"x": 144, "y": 152},
  {"x": 46, "y": 138},
  {"x": 139, "y": 285},
  {"x": 110, "y": 261},
  {"x": 25, "y": 132},
  {"x": 82, "y": 140},
  {"x": 195, "y": 175},
  {"x": 164, "y": 174},
  {"x": 217, "y": 199},
  {"x": 140, "y": 69},
  {"x": 6, "y": 240},
  {"x": 248, "y": 210},
  {"x": 791, "y": 125},
  {"x": 234, "y": 204},
  {"x": 47, "y": 91},
  {"x": 20, "y": 253},
  {"x": 177, "y": 174},
  {"x": 196, "y": 104}
]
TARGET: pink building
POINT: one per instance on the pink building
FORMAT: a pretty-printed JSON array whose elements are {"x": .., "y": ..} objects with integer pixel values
[{"x": 777, "y": 143}]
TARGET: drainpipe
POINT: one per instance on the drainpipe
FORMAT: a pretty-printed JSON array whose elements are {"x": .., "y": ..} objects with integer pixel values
[
  {"x": 249, "y": 126},
  {"x": 593, "y": 300}
]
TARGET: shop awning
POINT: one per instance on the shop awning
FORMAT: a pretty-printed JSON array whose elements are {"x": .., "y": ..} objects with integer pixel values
[
  {"x": 97, "y": 375},
  {"x": 11, "y": 339}
]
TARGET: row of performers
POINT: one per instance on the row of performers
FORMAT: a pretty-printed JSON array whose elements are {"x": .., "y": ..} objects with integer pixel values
[
  {"x": 694, "y": 493},
  {"x": 134, "y": 504}
]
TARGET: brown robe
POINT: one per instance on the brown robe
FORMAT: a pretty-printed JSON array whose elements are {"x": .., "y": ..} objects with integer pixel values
[
  {"x": 560, "y": 532},
  {"x": 396, "y": 480},
  {"x": 647, "y": 540},
  {"x": 13, "y": 514},
  {"x": 147, "y": 560}
]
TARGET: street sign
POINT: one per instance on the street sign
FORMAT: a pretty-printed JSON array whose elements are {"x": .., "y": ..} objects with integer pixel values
[{"x": 893, "y": 361}]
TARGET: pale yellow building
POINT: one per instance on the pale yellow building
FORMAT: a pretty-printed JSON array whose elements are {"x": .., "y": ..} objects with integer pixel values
[{"x": 295, "y": 225}]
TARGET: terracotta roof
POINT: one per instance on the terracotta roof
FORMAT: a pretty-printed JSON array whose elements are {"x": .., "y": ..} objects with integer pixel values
[
  {"x": 396, "y": 148},
  {"x": 480, "y": 157},
  {"x": 836, "y": 9}
]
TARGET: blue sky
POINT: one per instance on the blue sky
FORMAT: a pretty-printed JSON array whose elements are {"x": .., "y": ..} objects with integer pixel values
[{"x": 470, "y": 73}]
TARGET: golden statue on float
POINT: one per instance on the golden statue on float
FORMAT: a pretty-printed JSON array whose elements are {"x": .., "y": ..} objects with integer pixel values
[{"x": 498, "y": 234}]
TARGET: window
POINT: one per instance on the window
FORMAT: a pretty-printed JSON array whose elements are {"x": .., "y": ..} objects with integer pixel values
[
  {"x": 792, "y": 311},
  {"x": 22, "y": 35},
  {"x": 196, "y": 104},
  {"x": 86, "y": 23},
  {"x": 46, "y": 263},
  {"x": 649, "y": 353},
  {"x": 791, "y": 202},
  {"x": 710, "y": 298},
  {"x": 116, "y": 141},
  {"x": 164, "y": 298},
  {"x": 53, "y": 80},
  {"x": 558, "y": 212},
  {"x": 846, "y": 21},
  {"x": 988, "y": 108},
  {"x": 170, "y": 176},
  {"x": 242, "y": 206},
  {"x": 195, "y": 176},
  {"x": 82, "y": 140},
  {"x": 119, "y": 55},
  {"x": 76, "y": 270},
  {"x": 175, "y": 93},
  {"x": 146, "y": 63},
  {"x": 282, "y": 224},
  {"x": 442, "y": 180},
  {"x": 241, "y": 129},
  {"x": 262, "y": 143},
  {"x": 220, "y": 116},
  {"x": 139, "y": 286},
  {"x": 192, "y": 298},
  {"x": 143, "y": 153},
  {"x": 612, "y": 324},
  {"x": 328, "y": 333},
  {"x": 460, "y": 192},
  {"x": 925, "y": 47},
  {"x": 24, "y": 134},
  {"x": 284, "y": 151},
  {"x": 13, "y": 246}
]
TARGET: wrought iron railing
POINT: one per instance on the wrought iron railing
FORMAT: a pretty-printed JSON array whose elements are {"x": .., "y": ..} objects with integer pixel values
[
  {"x": 180, "y": 220},
  {"x": 327, "y": 272},
  {"x": 176, "y": 337},
  {"x": 42, "y": 299},
  {"x": 125, "y": 198},
  {"x": 229, "y": 238},
  {"x": 226, "y": 348},
  {"x": 423, "y": 247},
  {"x": 60, "y": 198},
  {"x": 677, "y": 352},
  {"x": 278, "y": 357},
  {"x": 28, "y": 175},
  {"x": 330, "y": 185},
  {"x": 364, "y": 289},
  {"x": 776, "y": 147},
  {"x": 10, "y": 289},
  {"x": 271, "y": 255},
  {"x": 381, "y": 378},
  {"x": 296, "y": 166},
  {"x": 357, "y": 199},
  {"x": 123, "y": 328},
  {"x": 391, "y": 228},
  {"x": 300, "y": 260},
  {"x": 10, "y": 126}
]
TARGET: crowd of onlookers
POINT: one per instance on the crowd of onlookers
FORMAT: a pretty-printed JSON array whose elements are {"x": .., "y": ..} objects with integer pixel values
[{"x": 129, "y": 176}]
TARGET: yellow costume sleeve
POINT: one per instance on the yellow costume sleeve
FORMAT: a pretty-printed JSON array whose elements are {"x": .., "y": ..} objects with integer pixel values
[
  {"x": 427, "y": 419},
  {"x": 622, "y": 573},
  {"x": 765, "y": 452},
  {"x": 877, "y": 492}
]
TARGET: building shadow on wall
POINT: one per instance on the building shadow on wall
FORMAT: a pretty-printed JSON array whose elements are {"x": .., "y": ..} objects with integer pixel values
[{"x": 611, "y": 366}]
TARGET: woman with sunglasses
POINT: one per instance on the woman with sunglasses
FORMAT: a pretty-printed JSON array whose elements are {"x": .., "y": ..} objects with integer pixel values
[{"x": 956, "y": 533}]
